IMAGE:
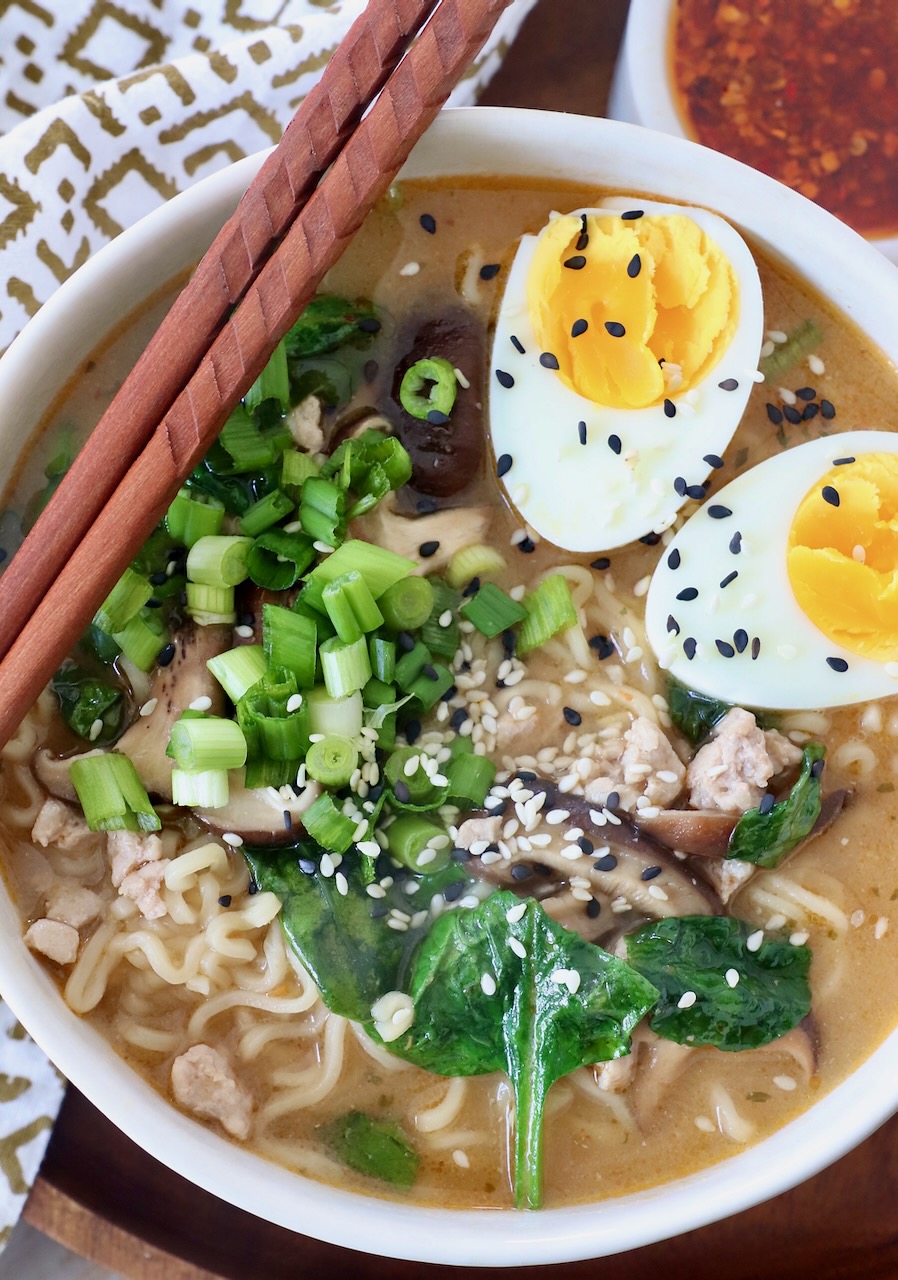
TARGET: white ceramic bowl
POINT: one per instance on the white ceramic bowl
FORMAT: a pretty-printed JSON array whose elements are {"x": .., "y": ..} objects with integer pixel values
[
  {"x": 475, "y": 141},
  {"x": 642, "y": 92}
]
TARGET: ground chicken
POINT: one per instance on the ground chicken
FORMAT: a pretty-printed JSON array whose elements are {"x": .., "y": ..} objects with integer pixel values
[
  {"x": 53, "y": 939},
  {"x": 203, "y": 1082},
  {"x": 473, "y": 830},
  {"x": 731, "y": 772},
  {"x": 640, "y": 763},
  {"x": 304, "y": 423},
  {"x": 74, "y": 905},
  {"x": 129, "y": 850},
  {"x": 58, "y": 824},
  {"x": 144, "y": 886}
]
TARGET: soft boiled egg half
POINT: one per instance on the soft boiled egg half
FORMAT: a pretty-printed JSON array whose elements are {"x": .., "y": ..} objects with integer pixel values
[
  {"x": 782, "y": 590},
  {"x": 626, "y": 346}
]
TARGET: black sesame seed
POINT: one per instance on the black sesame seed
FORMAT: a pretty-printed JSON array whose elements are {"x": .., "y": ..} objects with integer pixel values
[
  {"x": 375, "y": 792},
  {"x": 308, "y": 866},
  {"x": 806, "y": 393},
  {"x": 437, "y": 418},
  {"x": 689, "y": 647},
  {"x": 713, "y": 460},
  {"x": 736, "y": 543},
  {"x": 154, "y": 603},
  {"x": 572, "y": 717},
  {"x": 517, "y": 344},
  {"x": 429, "y": 223},
  {"x": 755, "y": 648},
  {"x": 581, "y": 432},
  {"x": 582, "y": 241},
  {"x": 718, "y": 512},
  {"x": 791, "y": 414},
  {"x": 602, "y": 646},
  {"x": 612, "y": 800},
  {"x": 412, "y": 732},
  {"x": 842, "y": 462},
  {"x": 379, "y": 910},
  {"x": 158, "y": 579},
  {"x": 767, "y": 803},
  {"x": 688, "y": 593},
  {"x": 576, "y": 263},
  {"x": 731, "y": 577},
  {"x": 593, "y": 908},
  {"x": 614, "y": 444},
  {"x": 607, "y": 863},
  {"x": 696, "y": 491},
  {"x": 602, "y": 562},
  {"x": 166, "y": 655},
  {"x": 428, "y": 549},
  {"x": 774, "y": 414},
  {"x": 585, "y": 845},
  {"x": 370, "y": 370},
  {"x": 449, "y": 694},
  {"x": 509, "y": 642},
  {"x": 429, "y": 671},
  {"x": 472, "y": 588},
  {"x": 521, "y": 871},
  {"x": 827, "y": 409},
  {"x": 830, "y": 495},
  {"x": 680, "y": 486},
  {"x": 728, "y": 384},
  {"x": 670, "y": 409},
  {"x": 837, "y": 664},
  {"x": 525, "y": 775},
  {"x": 527, "y": 545},
  {"x": 634, "y": 266},
  {"x": 252, "y": 888},
  {"x": 632, "y": 214},
  {"x": 224, "y": 900},
  {"x": 740, "y": 639},
  {"x": 650, "y": 539},
  {"x": 810, "y": 411},
  {"x": 578, "y": 328},
  {"x": 817, "y": 768},
  {"x": 674, "y": 559},
  {"x": 288, "y": 820},
  {"x": 490, "y": 271},
  {"x": 426, "y": 506},
  {"x": 401, "y": 791},
  {"x": 453, "y": 892},
  {"x": 504, "y": 464},
  {"x": 504, "y": 379},
  {"x": 673, "y": 625},
  {"x": 651, "y": 872},
  {"x": 369, "y": 324},
  {"x": 615, "y": 328},
  {"x": 725, "y": 649},
  {"x": 548, "y": 361}
]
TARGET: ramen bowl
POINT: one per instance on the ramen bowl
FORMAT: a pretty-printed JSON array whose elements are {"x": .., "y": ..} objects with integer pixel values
[{"x": 94, "y": 304}]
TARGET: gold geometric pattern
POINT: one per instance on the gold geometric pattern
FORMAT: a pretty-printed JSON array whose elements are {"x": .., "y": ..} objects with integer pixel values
[{"x": 108, "y": 109}]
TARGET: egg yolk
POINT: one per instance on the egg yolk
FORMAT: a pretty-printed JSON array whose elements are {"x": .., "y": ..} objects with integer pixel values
[
  {"x": 652, "y": 291},
  {"x": 843, "y": 555}
]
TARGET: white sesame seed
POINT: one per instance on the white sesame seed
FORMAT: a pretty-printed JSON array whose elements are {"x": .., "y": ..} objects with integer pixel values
[
  {"x": 655, "y": 891},
  {"x": 294, "y": 526},
  {"x": 326, "y": 865},
  {"x": 786, "y": 1083},
  {"x": 410, "y": 269},
  {"x": 488, "y": 984},
  {"x": 777, "y": 336},
  {"x": 375, "y": 891},
  {"x": 857, "y": 918},
  {"x": 732, "y": 977},
  {"x": 399, "y": 925},
  {"x": 569, "y": 978},
  {"x": 231, "y": 838},
  {"x": 149, "y": 707},
  {"x": 445, "y": 618},
  {"x": 599, "y": 699},
  {"x": 799, "y": 938},
  {"x": 706, "y": 1125},
  {"x": 201, "y": 704},
  {"x": 341, "y": 882},
  {"x": 95, "y": 730},
  {"x": 244, "y": 631},
  {"x": 787, "y": 396},
  {"x": 513, "y": 914},
  {"x": 687, "y": 1000},
  {"x": 461, "y": 379},
  {"x": 556, "y": 816},
  {"x": 517, "y": 947},
  {"x": 881, "y": 927},
  {"x": 754, "y": 940},
  {"x": 294, "y": 702},
  {"x": 461, "y": 1159},
  {"x": 470, "y": 900},
  {"x": 581, "y": 895},
  {"x": 816, "y": 365}
]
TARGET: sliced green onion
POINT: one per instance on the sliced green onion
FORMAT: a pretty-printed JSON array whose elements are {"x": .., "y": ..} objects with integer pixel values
[
  {"x": 237, "y": 670},
  {"x": 209, "y": 606},
  {"x": 470, "y": 778},
  {"x": 340, "y": 716},
  {"x": 244, "y": 443},
  {"x": 377, "y": 692},
  {"x": 440, "y": 632},
  {"x": 799, "y": 343},
  {"x": 278, "y": 558},
  {"x": 206, "y": 789},
  {"x": 492, "y": 611},
  {"x": 326, "y": 824},
  {"x": 411, "y": 838},
  {"x": 350, "y": 606},
  {"x": 371, "y": 465},
  {"x": 267, "y": 511},
  {"x": 290, "y": 640},
  {"x": 476, "y": 561},
  {"x": 345, "y": 667},
  {"x": 191, "y": 517},
  {"x": 285, "y": 737},
  {"x": 124, "y": 601},
  {"x": 200, "y": 743},
  {"x": 219, "y": 561},
  {"x": 430, "y": 685},
  {"x": 332, "y": 761},
  {"x": 382, "y": 653},
  {"x": 296, "y": 468},
  {"x": 407, "y": 604},
  {"x": 270, "y": 773},
  {"x": 142, "y": 639},
  {"x": 379, "y": 567},
  {"x": 322, "y": 511},
  {"x": 422, "y": 793},
  {"x": 112, "y": 795},
  {"x": 441, "y": 394},
  {"x": 273, "y": 383},
  {"x": 549, "y": 609}
]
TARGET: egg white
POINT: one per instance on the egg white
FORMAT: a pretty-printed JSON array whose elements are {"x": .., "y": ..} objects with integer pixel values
[
  {"x": 790, "y": 669},
  {"x": 586, "y": 497}
]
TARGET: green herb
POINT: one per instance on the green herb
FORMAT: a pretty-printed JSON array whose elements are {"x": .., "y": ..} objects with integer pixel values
[
  {"x": 804, "y": 339},
  {"x": 694, "y": 954},
  {"x": 766, "y": 838},
  {"x": 694, "y": 714},
  {"x": 328, "y": 323},
  {"x": 84, "y": 700},
  {"x": 215, "y": 479},
  {"x": 376, "y": 1148}
]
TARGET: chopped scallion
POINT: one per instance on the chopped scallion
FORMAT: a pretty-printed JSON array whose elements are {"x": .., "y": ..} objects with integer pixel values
[
  {"x": 290, "y": 640},
  {"x": 345, "y": 667},
  {"x": 278, "y": 558},
  {"x": 124, "y": 601},
  {"x": 209, "y": 606},
  {"x": 193, "y": 516},
  {"x": 244, "y": 443},
  {"x": 273, "y": 383},
  {"x": 326, "y": 824},
  {"x": 200, "y": 743},
  {"x": 550, "y": 609},
  {"x": 206, "y": 789},
  {"x": 410, "y": 840},
  {"x": 492, "y": 611},
  {"x": 442, "y": 389},
  {"x": 476, "y": 561},
  {"x": 382, "y": 653},
  {"x": 407, "y": 604},
  {"x": 142, "y": 639},
  {"x": 267, "y": 511},
  {"x": 379, "y": 567},
  {"x": 351, "y": 606},
  {"x": 296, "y": 468},
  {"x": 237, "y": 670},
  {"x": 112, "y": 795},
  {"x": 219, "y": 561},
  {"x": 470, "y": 778},
  {"x": 332, "y": 761}
]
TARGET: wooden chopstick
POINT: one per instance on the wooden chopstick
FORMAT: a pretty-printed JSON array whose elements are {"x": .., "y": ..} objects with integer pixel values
[
  {"x": 354, "y": 75},
  {"x": 358, "y": 177}
]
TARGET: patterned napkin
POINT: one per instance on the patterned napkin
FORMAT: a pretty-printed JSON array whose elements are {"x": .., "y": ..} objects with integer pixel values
[{"x": 109, "y": 108}]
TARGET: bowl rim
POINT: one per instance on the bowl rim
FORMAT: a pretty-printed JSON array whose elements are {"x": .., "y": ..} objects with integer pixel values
[{"x": 506, "y": 139}]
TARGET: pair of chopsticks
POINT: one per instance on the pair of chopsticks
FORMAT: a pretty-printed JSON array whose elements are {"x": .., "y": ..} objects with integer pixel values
[{"x": 398, "y": 62}]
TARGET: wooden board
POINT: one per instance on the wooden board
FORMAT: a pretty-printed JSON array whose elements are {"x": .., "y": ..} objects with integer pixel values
[{"x": 102, "y": 1196}]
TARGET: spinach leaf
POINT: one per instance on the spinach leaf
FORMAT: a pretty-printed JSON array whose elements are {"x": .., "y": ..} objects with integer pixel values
[
  {"x": 694, "y": 714},
  {"x": 373, "y": 1147},
  {"x": 766, "y": 838},
  {"x": 329, "y": 322},
  {"x": 84, "y": 700},
  {"x": 344, "y": 941},
  {"x": 482, "y": 1006},
  {"x": 694, "y": 954}
]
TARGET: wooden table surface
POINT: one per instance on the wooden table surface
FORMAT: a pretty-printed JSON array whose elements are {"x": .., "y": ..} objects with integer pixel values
[{"x": 105, "y": 1198}]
